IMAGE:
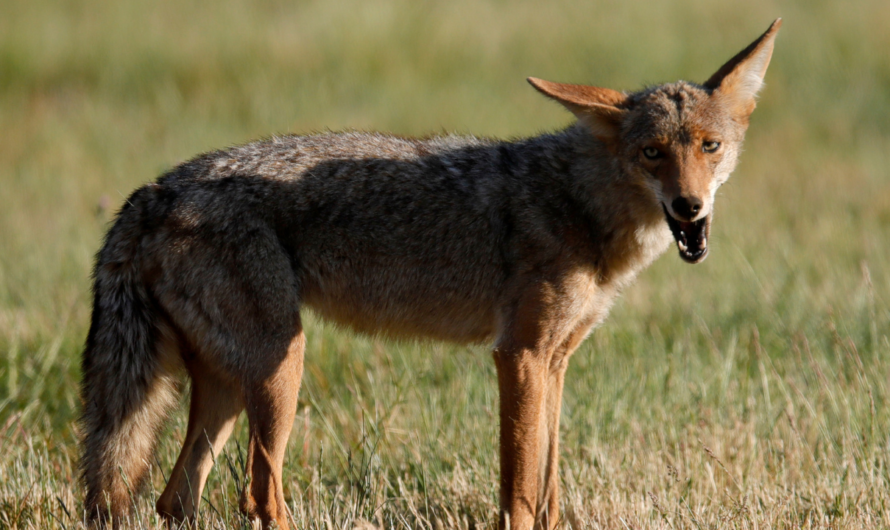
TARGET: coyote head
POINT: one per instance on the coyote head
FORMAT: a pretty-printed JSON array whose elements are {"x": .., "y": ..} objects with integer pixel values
[{"x": 681, "y": 140}]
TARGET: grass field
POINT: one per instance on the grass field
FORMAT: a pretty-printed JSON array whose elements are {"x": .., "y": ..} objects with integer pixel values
[{"x": 746, "y": 392}]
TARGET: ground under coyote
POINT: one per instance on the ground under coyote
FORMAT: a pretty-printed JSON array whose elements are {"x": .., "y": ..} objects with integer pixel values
[{"x": 521, "y": 244}]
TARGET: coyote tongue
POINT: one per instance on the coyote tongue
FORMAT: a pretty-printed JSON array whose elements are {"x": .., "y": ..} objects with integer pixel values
[{"x": 691, "y": 237}]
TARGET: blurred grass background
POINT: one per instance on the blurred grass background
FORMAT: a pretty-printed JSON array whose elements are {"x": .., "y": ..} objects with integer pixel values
[{"x": 748, "y": 391}]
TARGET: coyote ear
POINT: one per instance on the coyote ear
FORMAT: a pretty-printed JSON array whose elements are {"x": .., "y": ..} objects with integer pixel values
[
  {"x": 738, "y": 81},
  {"x": 597, "y": 108}
]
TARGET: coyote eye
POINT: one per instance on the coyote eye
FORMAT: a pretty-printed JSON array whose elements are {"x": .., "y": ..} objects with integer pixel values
[
  {"x": 652, "y": 153},
  {"x": 710, "y": 147}
]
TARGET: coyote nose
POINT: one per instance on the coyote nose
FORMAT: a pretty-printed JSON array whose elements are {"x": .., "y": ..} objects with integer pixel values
[{"x": 687, "y": 207}]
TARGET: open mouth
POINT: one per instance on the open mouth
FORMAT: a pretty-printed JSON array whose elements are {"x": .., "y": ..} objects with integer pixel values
[{"x": 692, "y": 238}]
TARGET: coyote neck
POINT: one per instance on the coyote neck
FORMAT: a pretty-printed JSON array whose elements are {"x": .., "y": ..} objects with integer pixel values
[{"x": 624, "y": 227}]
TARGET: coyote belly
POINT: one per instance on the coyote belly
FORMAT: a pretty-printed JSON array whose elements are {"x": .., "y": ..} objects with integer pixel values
[{"x": 520, "y": 244}]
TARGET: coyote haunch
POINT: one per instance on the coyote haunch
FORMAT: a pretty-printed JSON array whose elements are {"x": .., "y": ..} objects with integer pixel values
[{"x": 523, "y": 244}]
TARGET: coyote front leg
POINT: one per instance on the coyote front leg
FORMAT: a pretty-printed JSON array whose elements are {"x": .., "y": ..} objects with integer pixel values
[
  {"x": 522, "y": 385},
  {"x": 548, "y": 468},
  {"x": 530, "y": 390},
  {"x": 548, "y": 478}
]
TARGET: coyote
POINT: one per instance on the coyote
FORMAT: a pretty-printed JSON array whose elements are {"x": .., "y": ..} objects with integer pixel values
[{"x": 521, "y": 244}]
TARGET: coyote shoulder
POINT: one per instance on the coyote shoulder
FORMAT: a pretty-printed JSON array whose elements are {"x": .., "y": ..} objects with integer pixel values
[{"x": 520, "y": 244}]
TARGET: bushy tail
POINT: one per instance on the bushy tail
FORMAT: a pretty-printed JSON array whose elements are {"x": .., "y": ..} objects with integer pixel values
[{"x": 125, "y": 390}]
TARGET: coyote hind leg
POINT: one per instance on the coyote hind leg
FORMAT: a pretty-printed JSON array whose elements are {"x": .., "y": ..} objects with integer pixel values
[
  {"x": 271, "y": 400},
  {"x": 215, "y": 405},
  {"x": 234, "y": 297}
]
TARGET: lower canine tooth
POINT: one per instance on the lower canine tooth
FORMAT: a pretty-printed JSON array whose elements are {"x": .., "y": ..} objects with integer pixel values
[{"x": 682, "y": 246}]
